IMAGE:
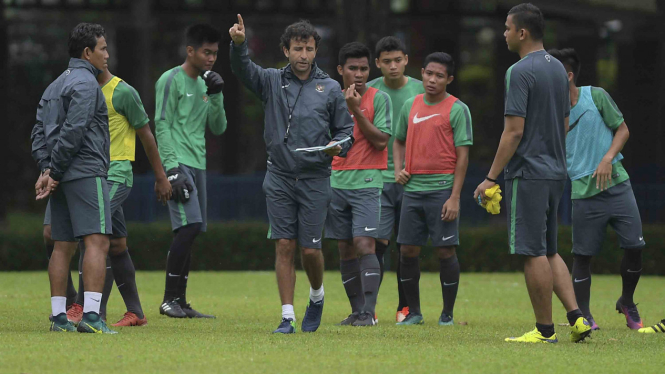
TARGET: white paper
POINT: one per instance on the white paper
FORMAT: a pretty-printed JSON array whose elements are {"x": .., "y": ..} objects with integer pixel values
[{"x": 323, "y": 147}]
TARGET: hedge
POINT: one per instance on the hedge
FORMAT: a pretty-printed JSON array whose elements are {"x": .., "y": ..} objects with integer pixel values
[{"x": 243, "y": 246}]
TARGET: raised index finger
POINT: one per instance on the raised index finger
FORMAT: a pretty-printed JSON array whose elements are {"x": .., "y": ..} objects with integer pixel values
[{"x": 240, "y": 22}]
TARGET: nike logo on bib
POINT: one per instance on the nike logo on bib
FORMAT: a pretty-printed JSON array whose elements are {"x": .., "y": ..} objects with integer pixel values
[
  {"x": 421, "y": 119},
  {"x": 188, "y": 95},
  {"x": 576, "y": 122}
]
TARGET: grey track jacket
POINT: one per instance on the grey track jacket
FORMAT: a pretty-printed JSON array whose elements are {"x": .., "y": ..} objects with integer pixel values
[
  {"x": 71, "y": 136},
  {"x": 318, "y": 115}
]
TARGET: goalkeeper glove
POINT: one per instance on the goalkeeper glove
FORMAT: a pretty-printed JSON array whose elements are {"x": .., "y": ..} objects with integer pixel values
[
  {"x": 214, "y": 82},
  {"x": 180, "y": 185}
]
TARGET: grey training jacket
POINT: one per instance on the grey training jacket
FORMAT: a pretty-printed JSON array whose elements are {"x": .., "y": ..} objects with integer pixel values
[
  {"x": 71, "y": 136},
  {"x": 318, "y": 115}
]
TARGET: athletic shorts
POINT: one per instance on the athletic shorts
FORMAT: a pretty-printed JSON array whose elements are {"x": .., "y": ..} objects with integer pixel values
[
  {"x": 533, "y": 205},
  {"x": 193, "y": 210},
  {"x": 391, "y": 203},
  {"x": 616, "y": 207},
  {"x": 354, "y": 213},
  {"x": 79, "y": 208},
  {"x": 297, "y": 208},
  {"x": 118, "y": 193},
  {"x": 420, "y": 219}
]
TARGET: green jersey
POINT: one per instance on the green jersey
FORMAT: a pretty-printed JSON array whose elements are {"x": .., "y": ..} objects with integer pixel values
[
  {"x": 462, "y": 134},
  {"x": 585, "y": 187},
  {"x": 362, "y": 150},
  {"x": 398, "y": 96},
  {"x": 126, "y": 115},
  {"x": 182, "y": 111}
]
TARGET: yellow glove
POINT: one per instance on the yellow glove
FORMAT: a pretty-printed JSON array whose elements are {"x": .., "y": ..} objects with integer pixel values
[{"x": 494, "y": 198}]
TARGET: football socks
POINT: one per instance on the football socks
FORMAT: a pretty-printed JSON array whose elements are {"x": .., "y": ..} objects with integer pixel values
[
  {"x": 546, "y": 330},
  {"x": 631, "y": 269},
  {"x": 449, "y": 276},
  {"x": 410, "y": 279},
  {"x": 352, "y": 282},
  {"x": 380, "y": 253},
  {"x": 58, "y": 305},
  {"x": 177, "y": 258},
  {"x": 125, "y": 277},
  {"x": 582, "y": 282},
  {"x": 370, "y": 272},
  {"x": 92, "y": 301}
]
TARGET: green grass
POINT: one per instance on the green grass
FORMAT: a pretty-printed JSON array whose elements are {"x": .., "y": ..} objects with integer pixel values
[{"x": 247, "y": 306}]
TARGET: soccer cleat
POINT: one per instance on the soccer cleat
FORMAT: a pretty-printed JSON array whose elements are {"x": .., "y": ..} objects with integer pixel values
[
  {"x": 288, "y": 326},
  {"x": 655, "y": 329},
  {"x": 446, "y": 320},
  {"x": 191, "y": 313},
  {"x": 131, "y": 319},
  {"x": 75, "y": 313},
  {"x": 349, "y": 320},
  {"x": 633, "y": 320},
  {"x": 580, "y": 330},
  {"x": 365, "y": 319},
  {"x": 172, "y": 309},
  {"x": 593, "y": 324},
  {"x": 60, "y": 323},
  {"x": 412, "y": 319},
  {"x": 94, "y": 324},
  {"x": 533, "y": 336},
  {"x": 312, "y": 318},
  {"x": 401, "y": 314}
]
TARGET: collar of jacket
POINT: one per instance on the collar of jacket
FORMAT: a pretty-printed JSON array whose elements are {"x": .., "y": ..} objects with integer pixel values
[
  {"x": 315, "y": 73},
  {"x": 83, "y": 64}
]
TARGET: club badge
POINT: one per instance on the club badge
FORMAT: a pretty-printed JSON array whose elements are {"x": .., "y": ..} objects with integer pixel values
[
  {"x": 205, "y": 98},
  {"x": 319, "y": 88}
]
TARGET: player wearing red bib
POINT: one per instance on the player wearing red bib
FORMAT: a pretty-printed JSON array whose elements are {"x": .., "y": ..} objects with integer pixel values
[
  {"x": 432, "y": 135},
  {"x": 355, "y": 208}
]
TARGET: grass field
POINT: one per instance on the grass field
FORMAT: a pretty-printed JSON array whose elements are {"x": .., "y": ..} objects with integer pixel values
[{"x": 247, "y": 306}]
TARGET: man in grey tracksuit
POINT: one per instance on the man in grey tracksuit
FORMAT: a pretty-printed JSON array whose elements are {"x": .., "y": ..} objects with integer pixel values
[
  {"x": 304, "y": 107},
  {"x": 70, "y": 142}
]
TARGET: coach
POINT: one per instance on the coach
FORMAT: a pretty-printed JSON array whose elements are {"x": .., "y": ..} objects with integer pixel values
[{"x": 304, "y": 108}]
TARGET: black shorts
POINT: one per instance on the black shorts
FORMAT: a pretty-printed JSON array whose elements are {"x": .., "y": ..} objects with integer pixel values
[
  {"x": 297, "y": 208},
  {"x": 533, "y": 205},
  {"x": 616, "y": 207}
]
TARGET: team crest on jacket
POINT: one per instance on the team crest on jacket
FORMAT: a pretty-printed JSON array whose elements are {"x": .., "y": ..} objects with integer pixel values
[
  {"x": 319, "y": 88},
  {"x": 205, "y": 98}
]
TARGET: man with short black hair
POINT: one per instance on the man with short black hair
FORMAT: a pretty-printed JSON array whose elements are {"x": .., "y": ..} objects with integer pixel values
[
  {"x": 533, "y": 151},
  {"x": 70, "y": 142},
  {"x": 354, "y": 211},
  {"x": 304, "y": 108},
  {"x": 188, "y": 97},
  {"x": 601, "y": 190},
  {"x": 391, "y": 58},
  {"x": 432, "y": 140}
]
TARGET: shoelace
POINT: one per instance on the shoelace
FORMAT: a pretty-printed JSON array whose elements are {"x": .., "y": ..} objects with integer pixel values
[
  {"x": 633, "y": 313},
  {"x": 76, "y": 311},
  {"x": 126, "y": 317}
]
